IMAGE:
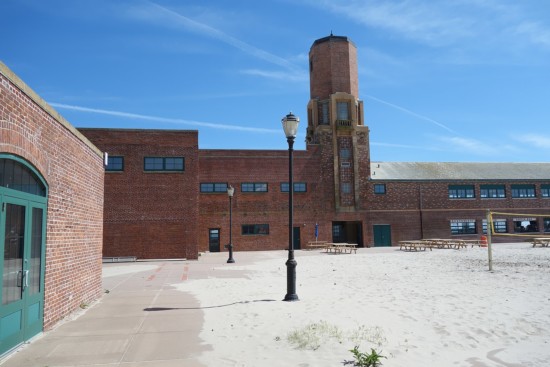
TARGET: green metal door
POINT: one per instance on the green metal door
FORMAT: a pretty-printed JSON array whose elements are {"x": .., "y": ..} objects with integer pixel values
[
  {"x": 382, "y": 234},
  {"x": 22, "y": 255},
  {"x": 214, "y": 240}
]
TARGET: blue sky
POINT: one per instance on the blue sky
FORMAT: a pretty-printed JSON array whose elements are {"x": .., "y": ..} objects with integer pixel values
[{"x": 441, "y": 80}]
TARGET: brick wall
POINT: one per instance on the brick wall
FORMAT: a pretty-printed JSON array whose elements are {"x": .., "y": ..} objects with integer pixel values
[
  {"x": 73, "y": 170},
  {"x": 239, "y": 166},
  {"x": 423, "y": 209},
  {"x": 150, "y": 215}
]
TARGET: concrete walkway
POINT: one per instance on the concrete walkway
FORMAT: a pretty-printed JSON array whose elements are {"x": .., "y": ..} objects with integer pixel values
[{"x": 141, "y": 321}]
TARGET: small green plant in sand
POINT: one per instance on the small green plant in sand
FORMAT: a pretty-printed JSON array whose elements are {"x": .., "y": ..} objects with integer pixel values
[{"x": 371, "y": 359}]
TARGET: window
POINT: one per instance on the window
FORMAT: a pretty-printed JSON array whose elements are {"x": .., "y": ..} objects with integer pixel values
[
  {"x": 379, "y": 188},
  {"x": 546, "y": 224},
  {"x": 345, "y": 153},
  {"x": 115, "y": 164},
  {"x": 525, "y": 225},
  {"x": 461, "y": 192},
  {"x": 545, "y": 191},
  {"x": 323, "y": 113},
  {"x": 298, "y": 187},
  {"x": 500, "y": 226},
  {"x": 16, "y": 176},
  {"x": 463, "y": 226},
  {"x": 214, "y": 187},
  {"x": 523, "y": 191},
  {"x": 342, "y": 110},
  {"x": 255, "y": 229},
  {"x": 163, "y": 164},
  {"x": 492, "y": 191},
  {"x": 346, "y": 188},
  {"x": 254, "y": 187}
]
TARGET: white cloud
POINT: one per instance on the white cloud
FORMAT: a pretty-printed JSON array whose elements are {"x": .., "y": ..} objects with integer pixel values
[
  {"x": 432, "y": 121},
  {"x": 538, "y": 141},
  {"x": 136, "y": 116}
]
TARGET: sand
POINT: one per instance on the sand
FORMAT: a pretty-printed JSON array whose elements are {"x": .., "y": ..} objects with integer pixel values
[{"x": 432, "y": 308}]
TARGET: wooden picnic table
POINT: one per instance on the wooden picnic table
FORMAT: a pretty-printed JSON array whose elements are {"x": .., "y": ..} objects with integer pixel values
[
  {"x": 542, "y": 241},
  {"x": 414, "y": 245},
  {"x": 340, "y": 247},
  {"x": 445, "y": 243},
  {"x": 312, "y": 245}
]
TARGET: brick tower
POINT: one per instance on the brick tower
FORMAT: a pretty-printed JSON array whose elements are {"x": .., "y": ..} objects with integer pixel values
[{"x": 335, "y": 119}]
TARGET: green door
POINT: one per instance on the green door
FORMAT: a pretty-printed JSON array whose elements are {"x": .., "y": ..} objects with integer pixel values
[
  {"x": 22, "y": 244},
  {"x": 382, "y": 234}
]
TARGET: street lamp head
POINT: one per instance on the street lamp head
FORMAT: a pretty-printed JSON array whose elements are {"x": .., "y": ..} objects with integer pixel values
[
  {"x": 230, "y": 191},
  {"x": 290, "y": 125}
]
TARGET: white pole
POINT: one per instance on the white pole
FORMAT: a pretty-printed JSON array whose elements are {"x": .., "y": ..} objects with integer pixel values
[{"x": 489, "y": 245}]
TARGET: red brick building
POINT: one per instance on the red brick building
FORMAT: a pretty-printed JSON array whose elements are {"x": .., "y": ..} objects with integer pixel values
[
  {"x": 180, "y": 211},
  {"x": 51, "y": 218}
]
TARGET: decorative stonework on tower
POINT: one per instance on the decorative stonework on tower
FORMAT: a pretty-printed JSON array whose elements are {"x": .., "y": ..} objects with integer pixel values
[{"x": 336, "y": 113}]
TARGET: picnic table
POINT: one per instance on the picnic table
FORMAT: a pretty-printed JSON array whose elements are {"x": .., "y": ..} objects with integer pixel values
[
  {"x": 414, "y": 245},
  {"x": 312, "y": 245},
  {"x": 446, "y": 243},
  {"x": 340, "y": 247},
  {"x": 542, "y": 241}
]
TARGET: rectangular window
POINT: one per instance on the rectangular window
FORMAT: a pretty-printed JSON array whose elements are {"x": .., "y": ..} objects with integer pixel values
[
  {"x": 323, "y": 113},
  {"x": 115, "y": 164},
  {"x": 298, "y": 187},
  {"x": 545, "y": 191},
  {"x": 255, "y": 229},
  {"x": 174, "y": 164},
  {"x": 380, "y": 188},
  {"x": 463, "y": 226},
  {"x": 546, "y": 224},
  {"x": 346, "y": 187},
  {"x": 492, "y": 191},
  {"x": 522, "y": 225},
  {"x": 345, "y": 153},
  {"x": 500, "y": 226},
  {"x": 220, "y": 187},
  {"x": 342, "y": 111},
  {"x": 523, "y": 191},
  {"x": 461, "y": 192},
  {"x": 254, "y": 187}
]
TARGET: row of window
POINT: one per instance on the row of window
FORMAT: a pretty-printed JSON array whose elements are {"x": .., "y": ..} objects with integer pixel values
[
  {"x": 221, "y": 187},
  {"x": 486, "y": 191},
  {"x": 521, "y": 225},
  {"x": 170, "y": 164},
  {"x": 497, "y": 191}
]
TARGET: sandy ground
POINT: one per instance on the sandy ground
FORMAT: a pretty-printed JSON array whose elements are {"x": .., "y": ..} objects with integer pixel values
[{"x": 432, "y": 308}]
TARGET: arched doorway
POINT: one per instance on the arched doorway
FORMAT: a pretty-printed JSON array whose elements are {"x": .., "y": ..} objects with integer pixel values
[{"x": 23, "y": 202}]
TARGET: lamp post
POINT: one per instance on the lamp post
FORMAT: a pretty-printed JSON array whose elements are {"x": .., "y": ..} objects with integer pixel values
[
  {"x": 230, "y": 191},
  {"x": 290, "y": 126}
]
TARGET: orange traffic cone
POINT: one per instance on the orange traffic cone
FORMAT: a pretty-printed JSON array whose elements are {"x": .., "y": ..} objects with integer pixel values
[{"x": 483, "y": 241}]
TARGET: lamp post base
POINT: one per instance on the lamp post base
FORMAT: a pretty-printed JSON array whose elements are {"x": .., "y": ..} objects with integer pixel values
[
  {"x": 230, "y": 260},
  {"x": 291, "y": 295}
]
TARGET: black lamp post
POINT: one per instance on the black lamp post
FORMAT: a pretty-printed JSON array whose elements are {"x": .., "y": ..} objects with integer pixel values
[
  {"x": 230, "y": 191},
  {"x": 290, "y": 126}
]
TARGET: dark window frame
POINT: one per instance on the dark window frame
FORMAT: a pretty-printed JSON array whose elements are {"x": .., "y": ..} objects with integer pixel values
[
  {"x": 165, "y": 164},
  {"x": 545, "y": 191},
  {"x": 112, "y": 167},
  {"x": 523, "y": 191},
  {"x": 255, "y": 229},
  {"x": 460, "y": 227},
  {"x": 461, "y": 192},
  {"x": 216, "y": 187},
  {"x": 254, "y": 187},
  {"x": 298, "y": 187},
  {"x": 492, "y": 191},
  {"x": 380, "y": 189}
]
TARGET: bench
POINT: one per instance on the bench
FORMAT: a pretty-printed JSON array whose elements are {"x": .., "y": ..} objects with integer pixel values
[{"x": 542, "y": 241}]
